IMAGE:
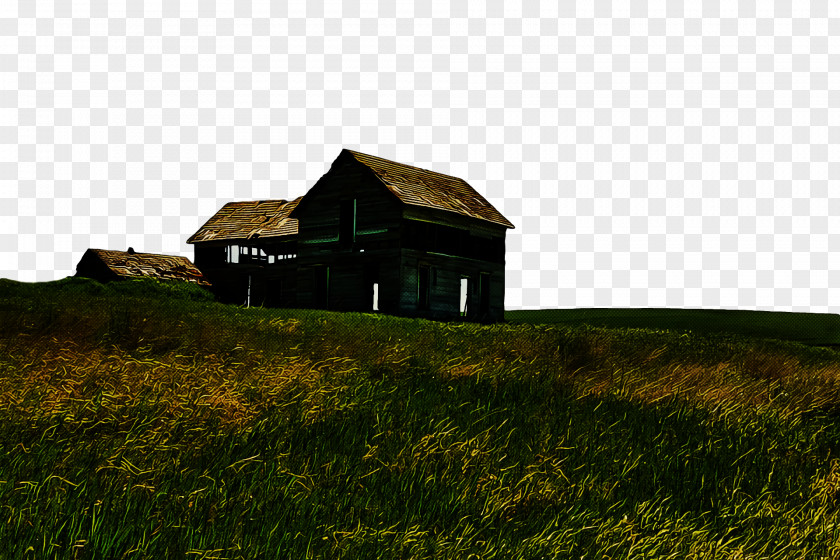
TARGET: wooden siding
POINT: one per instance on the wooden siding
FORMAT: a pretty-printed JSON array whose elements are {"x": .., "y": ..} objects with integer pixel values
[
  {"x": 448, "y": 240},
  {"x": 445, "y": 286},
  {"x": 371, "y": 256},
  {"x": 90, "y": 266},
  {"x": 272, "y": 285},
  {"x": 376, "y": 208},
  {"x": 351, "y": 279},
  {"x": 478, "y": 227}
]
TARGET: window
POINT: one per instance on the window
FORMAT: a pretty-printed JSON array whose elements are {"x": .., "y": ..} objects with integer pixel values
[
  {"x": 245, "y": 254},
  {"x": 233, "y": 254},
  {"x": 347, "y": 223}
]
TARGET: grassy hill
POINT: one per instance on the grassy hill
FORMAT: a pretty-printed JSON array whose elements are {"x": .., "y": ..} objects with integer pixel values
[
  {"x": 819, "y": 329},
  {"x": 140, "y": 420}
]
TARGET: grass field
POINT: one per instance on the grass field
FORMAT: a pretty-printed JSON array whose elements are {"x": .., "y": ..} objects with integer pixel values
[
  {"x": 820, "y": 329},
  {"x": 145, "y": 421}
]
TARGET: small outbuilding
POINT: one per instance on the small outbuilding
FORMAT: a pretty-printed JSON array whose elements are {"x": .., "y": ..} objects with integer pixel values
[{"x": 106, "y": 266}]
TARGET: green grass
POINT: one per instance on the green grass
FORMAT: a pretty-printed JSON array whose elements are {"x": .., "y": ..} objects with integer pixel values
[
  {"x": 820, "y": 329},
  {"x": 145, "y": 421}
]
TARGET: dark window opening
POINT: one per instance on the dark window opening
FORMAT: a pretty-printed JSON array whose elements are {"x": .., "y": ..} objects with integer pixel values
[
  {"x": 322, "y": 287},
  {"x": 347, "y": 223},
  {"x": 436, "y": 238},
  {"x": 275, "y": 292},
  {"x": 423, "y": 288},
  {"x": 484, "y": 294},
  {"x": 210, "y": 256},
  {"x": 251, "y": 255}
]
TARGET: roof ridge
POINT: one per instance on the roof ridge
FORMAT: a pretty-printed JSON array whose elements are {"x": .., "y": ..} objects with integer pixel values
[
  {"x": 425, "y": 187},
  {"x": 257, "y": 201},
  {"x": 423, "y": 169},
  {"x": 135, "y": 253}
]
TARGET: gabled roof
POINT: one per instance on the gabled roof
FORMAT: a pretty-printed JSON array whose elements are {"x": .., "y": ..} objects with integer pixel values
[
  {"x": 129, "y": 264},
  {"x": 249, "y": 219},
  {"x": 421, "y": 187}
]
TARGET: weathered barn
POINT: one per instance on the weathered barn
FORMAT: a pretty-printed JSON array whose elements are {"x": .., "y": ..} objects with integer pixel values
[
  {"x": 106, "y": 266},
  {"x": 370, "y": 235}
]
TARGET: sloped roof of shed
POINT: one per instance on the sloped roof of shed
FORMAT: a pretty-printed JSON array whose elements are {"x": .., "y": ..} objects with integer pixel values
[
  {"x": 138, "y": 265},
  {"x": 421, "y": 187},
  {"x": 249, "y": 219}
]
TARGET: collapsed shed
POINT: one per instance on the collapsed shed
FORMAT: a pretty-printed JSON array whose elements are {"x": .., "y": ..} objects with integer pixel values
[{"x": 107, "y": 266}]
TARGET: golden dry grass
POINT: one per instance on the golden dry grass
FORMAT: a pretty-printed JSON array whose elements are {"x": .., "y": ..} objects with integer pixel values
[{"x": 138, "y": 428}]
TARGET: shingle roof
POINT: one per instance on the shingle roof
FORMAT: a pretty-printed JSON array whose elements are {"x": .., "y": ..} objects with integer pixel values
[
  {"x": 162, "y": 267},
  {"x": 421, "y": 187},
  {"x": 249, "y": 219}
]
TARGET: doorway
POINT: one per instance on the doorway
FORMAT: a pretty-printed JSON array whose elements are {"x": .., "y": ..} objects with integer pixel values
[
  {"x": 321, "y": 294},
  {"x": 483, "y": 294},
  {"x": 464, "y": 305},
  {"x": 423, "y": 288}
]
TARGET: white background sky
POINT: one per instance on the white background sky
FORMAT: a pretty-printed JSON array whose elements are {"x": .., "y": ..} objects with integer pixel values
[{"x": 649, "y": 153}]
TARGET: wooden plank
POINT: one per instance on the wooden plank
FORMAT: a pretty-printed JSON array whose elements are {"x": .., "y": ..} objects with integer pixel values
[{"x": 452, "y": 219}]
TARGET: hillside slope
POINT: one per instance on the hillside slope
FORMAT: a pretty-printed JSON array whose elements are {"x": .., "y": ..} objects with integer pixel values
[
  {"x": 140, "y": 421},
  {"x": 816, "y": 329}
]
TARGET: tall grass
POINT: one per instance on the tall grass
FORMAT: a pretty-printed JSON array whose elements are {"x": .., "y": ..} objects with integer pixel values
[{"x": 136, "y": 423}]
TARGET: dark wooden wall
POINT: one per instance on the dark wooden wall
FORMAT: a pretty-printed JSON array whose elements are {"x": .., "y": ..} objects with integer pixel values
[
  {"x": 91, "y": 266},
  {"x": 371, "y": 255},
  {"x": 271, "y": 284},
  {"x": 445, "y": 286},
  {"x": 319, "y": 212},
  {"x": 453, "y": 246}
]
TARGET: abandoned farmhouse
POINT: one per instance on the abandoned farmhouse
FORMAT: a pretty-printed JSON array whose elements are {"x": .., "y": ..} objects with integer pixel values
[{"x": 370, "y": 235}]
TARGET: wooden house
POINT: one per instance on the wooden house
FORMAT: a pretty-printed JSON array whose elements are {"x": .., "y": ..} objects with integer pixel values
[
  {"x": 107, "y": 266},
  {"x": 370, "y": 235}
]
